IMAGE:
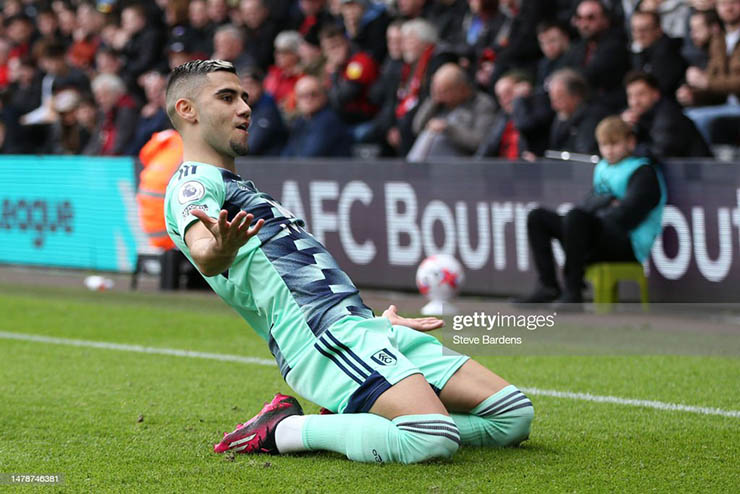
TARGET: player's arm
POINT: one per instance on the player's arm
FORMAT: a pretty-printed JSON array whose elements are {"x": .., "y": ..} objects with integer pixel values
[{"x": 214, "y": 243}]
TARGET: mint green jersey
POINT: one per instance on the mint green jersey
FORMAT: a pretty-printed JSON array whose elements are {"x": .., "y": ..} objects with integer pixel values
[{"x": 283, "y": 282}]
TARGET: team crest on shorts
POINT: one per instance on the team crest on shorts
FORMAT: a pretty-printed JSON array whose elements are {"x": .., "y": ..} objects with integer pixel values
[
  {"x": 384, "y": 357},
  {"x": 191, "y": 192}
]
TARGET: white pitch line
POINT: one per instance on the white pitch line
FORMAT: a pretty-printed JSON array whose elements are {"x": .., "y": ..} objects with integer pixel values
[
  {"x": 658, "y": 405},
  {"x": 137, "y": 348}
]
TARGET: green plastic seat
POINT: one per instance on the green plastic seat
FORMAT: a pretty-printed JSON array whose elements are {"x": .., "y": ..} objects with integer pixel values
[{"x": 605, "y": 278}]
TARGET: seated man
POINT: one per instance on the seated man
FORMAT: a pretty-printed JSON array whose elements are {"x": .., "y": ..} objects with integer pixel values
[
  {"x": 714, "y": 92},
  {"x": 396, "y": 396},
  {"x": 453, "y": 120},
  {"x": 618, "y": 221},
  {"x": 318, "y": 131},
  {"x": 576, "y": 115},
  {"x": 662, "y": 130}
]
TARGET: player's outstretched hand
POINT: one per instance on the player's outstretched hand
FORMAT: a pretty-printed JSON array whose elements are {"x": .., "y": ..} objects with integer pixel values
[
  {"x": 230, "y": 235},
  {"x": 418, "y": 323}
]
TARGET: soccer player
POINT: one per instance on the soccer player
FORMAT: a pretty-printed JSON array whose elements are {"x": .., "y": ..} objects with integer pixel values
[{"x": 394, "y": 394}]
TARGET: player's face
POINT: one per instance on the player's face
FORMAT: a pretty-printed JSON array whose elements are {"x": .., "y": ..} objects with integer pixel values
[{"x": 223, "y": 114}]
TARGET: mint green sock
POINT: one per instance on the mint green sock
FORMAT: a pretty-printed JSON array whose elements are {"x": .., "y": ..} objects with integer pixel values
[
  {"x": 502, "y": 419},
  {"x": 371, "y": 438}
]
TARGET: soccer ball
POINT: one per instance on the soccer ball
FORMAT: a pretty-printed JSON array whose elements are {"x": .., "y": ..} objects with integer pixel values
[{"x": 439, "y": 278}]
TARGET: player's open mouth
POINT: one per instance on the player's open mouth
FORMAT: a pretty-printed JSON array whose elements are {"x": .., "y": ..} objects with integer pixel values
[{"x": 244, "y": 127}]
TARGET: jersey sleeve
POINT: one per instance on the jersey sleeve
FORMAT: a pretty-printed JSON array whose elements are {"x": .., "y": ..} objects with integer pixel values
[{"x": 200, "y": 188}]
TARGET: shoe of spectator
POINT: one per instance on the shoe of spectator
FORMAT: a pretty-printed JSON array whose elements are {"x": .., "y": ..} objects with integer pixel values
[
  {"x": 568, "y": 302},
  {"x": 542, "y": 295}
]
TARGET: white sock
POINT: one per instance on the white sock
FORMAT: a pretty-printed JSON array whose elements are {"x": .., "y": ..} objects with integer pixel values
[{"x": 289, "y": 434}]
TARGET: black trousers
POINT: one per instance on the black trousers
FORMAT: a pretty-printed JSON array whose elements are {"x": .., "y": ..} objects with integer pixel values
[{"x": 585, "y": 238}]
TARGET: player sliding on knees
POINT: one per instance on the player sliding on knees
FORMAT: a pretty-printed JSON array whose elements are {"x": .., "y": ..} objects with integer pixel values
[{"x": 395, "y": 395}]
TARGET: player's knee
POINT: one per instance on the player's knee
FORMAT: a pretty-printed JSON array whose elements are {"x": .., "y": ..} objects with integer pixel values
[
  {"x": 517, "y": 427},
  {"x": 424, "y": 437}
]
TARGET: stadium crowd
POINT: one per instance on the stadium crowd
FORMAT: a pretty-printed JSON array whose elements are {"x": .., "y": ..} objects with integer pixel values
[{"x": 410, "y": 78}]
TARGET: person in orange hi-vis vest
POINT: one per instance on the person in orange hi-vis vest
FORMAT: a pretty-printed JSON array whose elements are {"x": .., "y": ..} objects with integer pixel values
[{"x": 160, "y": 156}]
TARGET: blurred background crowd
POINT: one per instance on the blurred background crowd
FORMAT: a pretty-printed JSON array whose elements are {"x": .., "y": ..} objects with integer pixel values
[{"x": 398, "y": 78}]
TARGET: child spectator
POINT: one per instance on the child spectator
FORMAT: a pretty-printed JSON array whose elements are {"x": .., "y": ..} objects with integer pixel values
[{"x": 618, "y": 222}]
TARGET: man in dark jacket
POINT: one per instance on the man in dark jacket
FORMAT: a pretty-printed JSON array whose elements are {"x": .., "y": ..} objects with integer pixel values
[
  {"x": 144, "y": 48},
  {"x": 365, "y": 23},
  {"x": 576, "y": 117},
  {"x": 318, "y": 131},
  {"x": 600, "y": 53},
  {"x": 662, "y": 130},
  {"x": 655, "y": 53}
]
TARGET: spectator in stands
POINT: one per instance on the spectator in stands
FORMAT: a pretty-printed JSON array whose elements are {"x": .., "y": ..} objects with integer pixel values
[
  {"x": 228, "y": 44},
  {"x": 703, "y": 25},
  {"x": 218, "y": 12},
  {"x": 67, "y": 135},
  {"x": 318, "y": 131},
  {"x": 554, "y": 40},
  {"x": 267, "y": 132},
  {"x": 453, "y": 120},
  {"x": 199, "y": 31},
  {"x": 20, "y": 32},
  {"x": 655, "y": 53},
  {"x": 310, "y": 17},
  {"x": 447, "y": 17},
  {"x": 52, "y": 61},
  {"x": 67, "y": 22},
  {"x": 719, "y": 84},
  {"x": 672, "y": 14},
  {"x": 600, "y": 52},
  {"x": 422, "y": 57},
  {"x": 24, "y": 95},
  {"x": 576, "y": 116},
  {"x": 108, "y": 61},
  {"x": 143, "y": 46},
  {"x": 48, "y": 27},
  {"x": 350, "y": 74},
  {"x": 312, "y": 59},
  {"x": 515, "y": 45},
  {"x": 282, "y": 77},
  {"x": 90, "y": 23},
  {"x": 365, "y": 23},
  {"x": 383, "y": 92},
  {"x": 116, "y": 119},
  {"x": 414, "y": 9},
  {"x": 662, "y": 130},
  {"x": 473, "y": 43},
  {"x": 260, "y": 31},
  {"x": 58, "y": 75},
  {"x": 4, "y": 69},
  {"x": 153, "y": 116},
  {"x": 504, "y": 140},
  {"x": 618, "y": 222}
]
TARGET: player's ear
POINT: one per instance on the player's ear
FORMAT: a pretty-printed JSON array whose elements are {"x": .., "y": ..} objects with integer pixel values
[{"x": 185, "y": 109}]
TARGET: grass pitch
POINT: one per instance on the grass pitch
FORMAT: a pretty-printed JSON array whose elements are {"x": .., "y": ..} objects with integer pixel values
[{"x": 116, "y": 421}]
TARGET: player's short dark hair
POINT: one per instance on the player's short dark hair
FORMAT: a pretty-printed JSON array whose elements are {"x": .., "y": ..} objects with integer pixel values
[
  {"x": 639, "y": 76},
  {"x": 183, "y": 80}
]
